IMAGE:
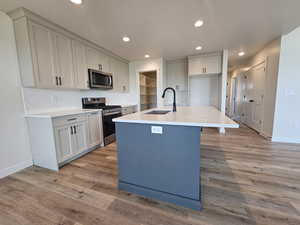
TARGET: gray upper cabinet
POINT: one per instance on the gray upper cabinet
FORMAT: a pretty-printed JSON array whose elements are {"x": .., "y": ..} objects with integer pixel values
[{"x": 51, "y": 57}]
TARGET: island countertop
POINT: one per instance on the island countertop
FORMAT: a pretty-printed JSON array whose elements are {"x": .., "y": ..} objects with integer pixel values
[{"x": 185, "y": 116}]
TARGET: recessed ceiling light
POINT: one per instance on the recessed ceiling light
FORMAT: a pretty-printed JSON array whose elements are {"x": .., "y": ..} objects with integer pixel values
[
  {"x": 198, "y": 48},
  {"x": 126, "y": 39},
  {"x": 199, "y": 23},
  {"x": 147, "y": 56},
  {"x": 241, "y": 53},
  {"x": 77, "y": 2}
]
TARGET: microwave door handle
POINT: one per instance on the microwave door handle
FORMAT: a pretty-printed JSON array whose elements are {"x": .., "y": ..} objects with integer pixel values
[{"x": 110, "y": 79}]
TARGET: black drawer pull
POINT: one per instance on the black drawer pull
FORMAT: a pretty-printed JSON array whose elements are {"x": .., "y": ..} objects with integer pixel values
[{"x": 72, "y": 119}]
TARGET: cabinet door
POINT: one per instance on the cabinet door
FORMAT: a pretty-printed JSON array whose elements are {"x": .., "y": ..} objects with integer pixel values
[
  {"x": 95, "y": 129},
  {"x": 93, "y": 58},
  {"x": 120, "y": 73},
  {"x": 80, "y": 138},
  {"x": 64, "y": 60},
  {"x": 80, "y": 65},
  {"x": 43, "y": 56},
  {"x": 104, "y": 61},
  {"x": 63, "y": 143},
  {"x": 196, "y": 66},
  {"x": 213, "y": 64}
]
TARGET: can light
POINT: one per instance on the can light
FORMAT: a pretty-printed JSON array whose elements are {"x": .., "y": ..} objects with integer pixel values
[
  {"x": 199, "y": 23},
  {"x": 77, "y": 2},
  {"x": 198, "y": 48},
  {"x": 241, "y": 53},
  {"x": 147, "y": 56},
  {"x": 126, "y": 39}
]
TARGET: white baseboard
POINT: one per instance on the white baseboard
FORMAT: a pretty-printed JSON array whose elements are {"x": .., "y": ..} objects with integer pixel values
[
  {"x": 286, "y": 140},
  {"x": 13, "y": 169}
]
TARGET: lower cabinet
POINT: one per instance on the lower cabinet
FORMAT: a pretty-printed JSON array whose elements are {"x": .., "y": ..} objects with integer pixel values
[
  {"x": 57, "y": 141},
  {"x": 71, "y": 140}
]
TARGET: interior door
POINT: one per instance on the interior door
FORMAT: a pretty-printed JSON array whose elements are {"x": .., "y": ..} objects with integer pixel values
[
  {"x": 255, "y": 96},
  {"x": 95, "y": 133},
  {"x": 63, "y": 143},
  {"x": 43, "y": 56},
  {"x": 64, "y": 60}
]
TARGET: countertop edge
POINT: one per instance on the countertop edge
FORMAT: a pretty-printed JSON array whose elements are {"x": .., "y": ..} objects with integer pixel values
[{"x": 56, "y": 114}]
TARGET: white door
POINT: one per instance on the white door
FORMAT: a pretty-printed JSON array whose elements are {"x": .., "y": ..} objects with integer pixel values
[
  {"x": 80, "y": 65},
  {"x": 79, "y": 142},
  {"x": 95, "y": 129},
  {"x": 63, "y": 141},
  {"x": 43, "y": 56},
  {"x": 64, "y": 60},
  {"x": 255, "y": 97}
]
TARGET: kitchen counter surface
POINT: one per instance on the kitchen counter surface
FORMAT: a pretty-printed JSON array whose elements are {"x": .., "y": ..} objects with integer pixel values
[
  {"x": 54, "y": 114},
  {"x": 185, "y": 116}
]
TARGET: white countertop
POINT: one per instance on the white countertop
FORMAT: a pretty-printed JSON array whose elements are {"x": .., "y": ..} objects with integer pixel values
[
  {"x": 185, "y": 116},
  {"x": 54, "y": 114}
]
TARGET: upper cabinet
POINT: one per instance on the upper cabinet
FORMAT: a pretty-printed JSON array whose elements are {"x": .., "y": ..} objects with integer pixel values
[
  {"x": 81, "y": 78},
  {"x": 51, "y": 57},
  {"x": 205, "y": 64},
  {"x": 120, "y": 71}
]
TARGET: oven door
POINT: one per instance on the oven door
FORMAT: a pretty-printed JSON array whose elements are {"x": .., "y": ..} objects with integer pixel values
[
  {"x": 109, "y": 128},
  {"x": 101, "y": 80}
]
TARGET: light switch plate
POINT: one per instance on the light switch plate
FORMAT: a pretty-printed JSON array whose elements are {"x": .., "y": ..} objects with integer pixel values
[{"x": 156, "y": 130}]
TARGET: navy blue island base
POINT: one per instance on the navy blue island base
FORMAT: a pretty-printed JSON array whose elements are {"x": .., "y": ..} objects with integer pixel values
[{"x": 163, "y": 166}]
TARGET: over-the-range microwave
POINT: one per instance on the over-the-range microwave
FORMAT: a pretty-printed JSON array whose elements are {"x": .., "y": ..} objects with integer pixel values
[{"x": 99, "y": 79}]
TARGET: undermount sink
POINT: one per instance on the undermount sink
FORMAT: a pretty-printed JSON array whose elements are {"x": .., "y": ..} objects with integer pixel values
[{"x": 158, "y": 112}]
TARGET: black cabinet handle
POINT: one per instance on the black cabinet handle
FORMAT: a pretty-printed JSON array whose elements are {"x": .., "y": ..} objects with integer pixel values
[
  {"x": 56, "y": 80},
  {"x": 72, "y": 131},
  {"x": 75, "y": 131},
  {"x": 72, "y": 119},
  {"x": 60, "y": 83},
  {"x": 251, "y": 100}
]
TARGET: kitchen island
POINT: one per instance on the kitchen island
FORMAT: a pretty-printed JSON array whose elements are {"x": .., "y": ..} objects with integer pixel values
[{"x": 159, "y": 152}]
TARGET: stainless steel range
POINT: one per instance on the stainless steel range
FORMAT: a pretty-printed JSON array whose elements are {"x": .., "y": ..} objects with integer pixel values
[{"x": 108, "y": 114}]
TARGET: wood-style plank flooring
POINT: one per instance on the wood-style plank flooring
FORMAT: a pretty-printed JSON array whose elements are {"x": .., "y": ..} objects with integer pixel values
[{"x": 246, "y": 180}]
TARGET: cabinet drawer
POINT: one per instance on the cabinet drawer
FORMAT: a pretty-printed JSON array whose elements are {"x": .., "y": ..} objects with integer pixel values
[{"x": 61, "y": 121}]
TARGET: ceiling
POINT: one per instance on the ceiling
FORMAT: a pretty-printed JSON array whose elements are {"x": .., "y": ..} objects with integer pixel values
[{"x": 165, "y": 28}]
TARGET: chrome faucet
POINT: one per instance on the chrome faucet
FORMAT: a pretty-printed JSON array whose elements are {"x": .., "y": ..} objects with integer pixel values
[{"x": 174, "y": 97}]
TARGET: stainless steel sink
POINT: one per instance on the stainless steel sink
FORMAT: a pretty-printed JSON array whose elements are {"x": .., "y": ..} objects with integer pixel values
[{"x": 158, "y": 112}]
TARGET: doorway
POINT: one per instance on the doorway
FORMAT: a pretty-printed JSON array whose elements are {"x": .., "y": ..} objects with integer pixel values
[
  {"x": 148, "y": 90},
  {"x": 254, "y": 97}
]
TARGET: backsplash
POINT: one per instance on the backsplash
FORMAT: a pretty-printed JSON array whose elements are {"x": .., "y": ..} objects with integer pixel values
[{"x": 43, "y": 100}]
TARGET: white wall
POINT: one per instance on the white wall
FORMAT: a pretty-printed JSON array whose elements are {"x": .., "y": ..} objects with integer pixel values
[
  {"x": 270, "y": 53},
  {"x": 43, "y": 100},
  {"x": 135, "y": 67},
  {"x": 15, "y": 150},
  {"x": 287, "y": 112},
  {"x": 177, "y": 78},
  {"x": 204, "y": 90}
]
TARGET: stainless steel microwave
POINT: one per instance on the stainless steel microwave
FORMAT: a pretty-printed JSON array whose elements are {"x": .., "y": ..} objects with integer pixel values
[{"x": 99, "y": 79}]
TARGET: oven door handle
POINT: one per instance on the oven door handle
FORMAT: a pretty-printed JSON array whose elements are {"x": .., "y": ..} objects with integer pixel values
[{"x": 113, "y": 113}]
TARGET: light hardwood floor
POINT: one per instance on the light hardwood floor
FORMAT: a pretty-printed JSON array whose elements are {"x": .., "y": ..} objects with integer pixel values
[{"x": 246, "y": 180}]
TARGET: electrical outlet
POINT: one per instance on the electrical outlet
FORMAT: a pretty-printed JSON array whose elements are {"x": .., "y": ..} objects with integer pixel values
[{"x": 156, "y": 130}]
